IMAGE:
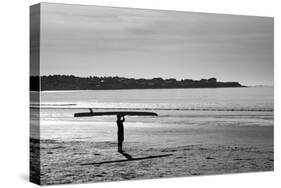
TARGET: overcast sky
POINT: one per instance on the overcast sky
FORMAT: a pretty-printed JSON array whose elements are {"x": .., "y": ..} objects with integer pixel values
[{"x": 137, "y": 43}]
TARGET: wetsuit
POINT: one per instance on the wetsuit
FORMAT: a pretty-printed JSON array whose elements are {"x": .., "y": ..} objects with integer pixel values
[{"x": 120, "y": 132}]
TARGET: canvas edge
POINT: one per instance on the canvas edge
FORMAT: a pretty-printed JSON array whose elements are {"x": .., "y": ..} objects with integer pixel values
[{"x": 34, "y": 87}]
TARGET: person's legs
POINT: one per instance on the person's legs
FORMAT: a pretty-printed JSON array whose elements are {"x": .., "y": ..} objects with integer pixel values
[
  {"x": 120, "y": 143},
  {"x": 120, "y": 138}
]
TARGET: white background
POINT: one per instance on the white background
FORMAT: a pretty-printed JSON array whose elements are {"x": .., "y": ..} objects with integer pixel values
[{"x": 14, "y": 106}]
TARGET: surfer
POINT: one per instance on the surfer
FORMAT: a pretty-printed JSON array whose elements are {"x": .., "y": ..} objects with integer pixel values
[
  {"x": 120, "y": 120},
  {"x": 120, "y": 132}
]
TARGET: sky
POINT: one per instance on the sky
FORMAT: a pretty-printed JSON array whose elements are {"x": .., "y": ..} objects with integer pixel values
[{"x": 138, "y": 43}]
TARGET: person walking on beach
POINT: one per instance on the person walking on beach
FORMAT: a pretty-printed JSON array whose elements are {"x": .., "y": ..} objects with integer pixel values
[{"x": 120, "y": 131}]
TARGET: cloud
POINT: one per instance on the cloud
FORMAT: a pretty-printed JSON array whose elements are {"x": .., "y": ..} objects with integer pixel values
[{"x": 105, "y": 33}]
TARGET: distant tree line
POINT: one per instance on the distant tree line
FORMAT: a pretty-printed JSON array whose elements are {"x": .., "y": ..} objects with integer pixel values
[{"x": 70, "y": 82}]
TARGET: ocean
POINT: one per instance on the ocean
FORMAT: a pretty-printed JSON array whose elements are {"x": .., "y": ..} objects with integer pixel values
[{"x": 184, "y": 115}]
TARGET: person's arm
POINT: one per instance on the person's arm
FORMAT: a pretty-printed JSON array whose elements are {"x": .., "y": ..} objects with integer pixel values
[{"x": 123, "y": 118}]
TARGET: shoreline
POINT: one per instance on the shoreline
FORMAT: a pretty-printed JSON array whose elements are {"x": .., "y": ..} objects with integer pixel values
[{"x": 76, "y": 90}]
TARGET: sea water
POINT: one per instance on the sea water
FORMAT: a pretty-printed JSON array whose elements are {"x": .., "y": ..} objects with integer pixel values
[{"x": 185, "y": 115}]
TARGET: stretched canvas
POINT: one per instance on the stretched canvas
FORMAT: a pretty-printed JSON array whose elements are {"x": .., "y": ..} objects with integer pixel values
[{"x": 127, "y": 94}]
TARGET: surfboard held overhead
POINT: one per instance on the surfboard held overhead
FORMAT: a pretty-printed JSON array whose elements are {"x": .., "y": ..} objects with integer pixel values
[{"x": 114, "y": 113}]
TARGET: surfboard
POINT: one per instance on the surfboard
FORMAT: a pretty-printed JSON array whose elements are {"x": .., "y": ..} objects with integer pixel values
[{"x": 114, "y": 113}]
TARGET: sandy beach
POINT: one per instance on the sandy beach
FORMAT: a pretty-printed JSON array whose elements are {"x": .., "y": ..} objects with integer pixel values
[{"x": 89, "y": 161}]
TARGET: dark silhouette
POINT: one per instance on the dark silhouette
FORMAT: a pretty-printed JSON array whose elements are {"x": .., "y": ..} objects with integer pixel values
[
  {"x": 70, "y": 82},
  {"x": 133, "y": 159},
  {"x": 120, "y": 131}
]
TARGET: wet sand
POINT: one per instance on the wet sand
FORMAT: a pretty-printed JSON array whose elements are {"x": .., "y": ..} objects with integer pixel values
[{"x": 198, "y": 143}]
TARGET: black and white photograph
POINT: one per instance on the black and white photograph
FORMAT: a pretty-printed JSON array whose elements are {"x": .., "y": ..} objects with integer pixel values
[{"x": 131, "y": 94}]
